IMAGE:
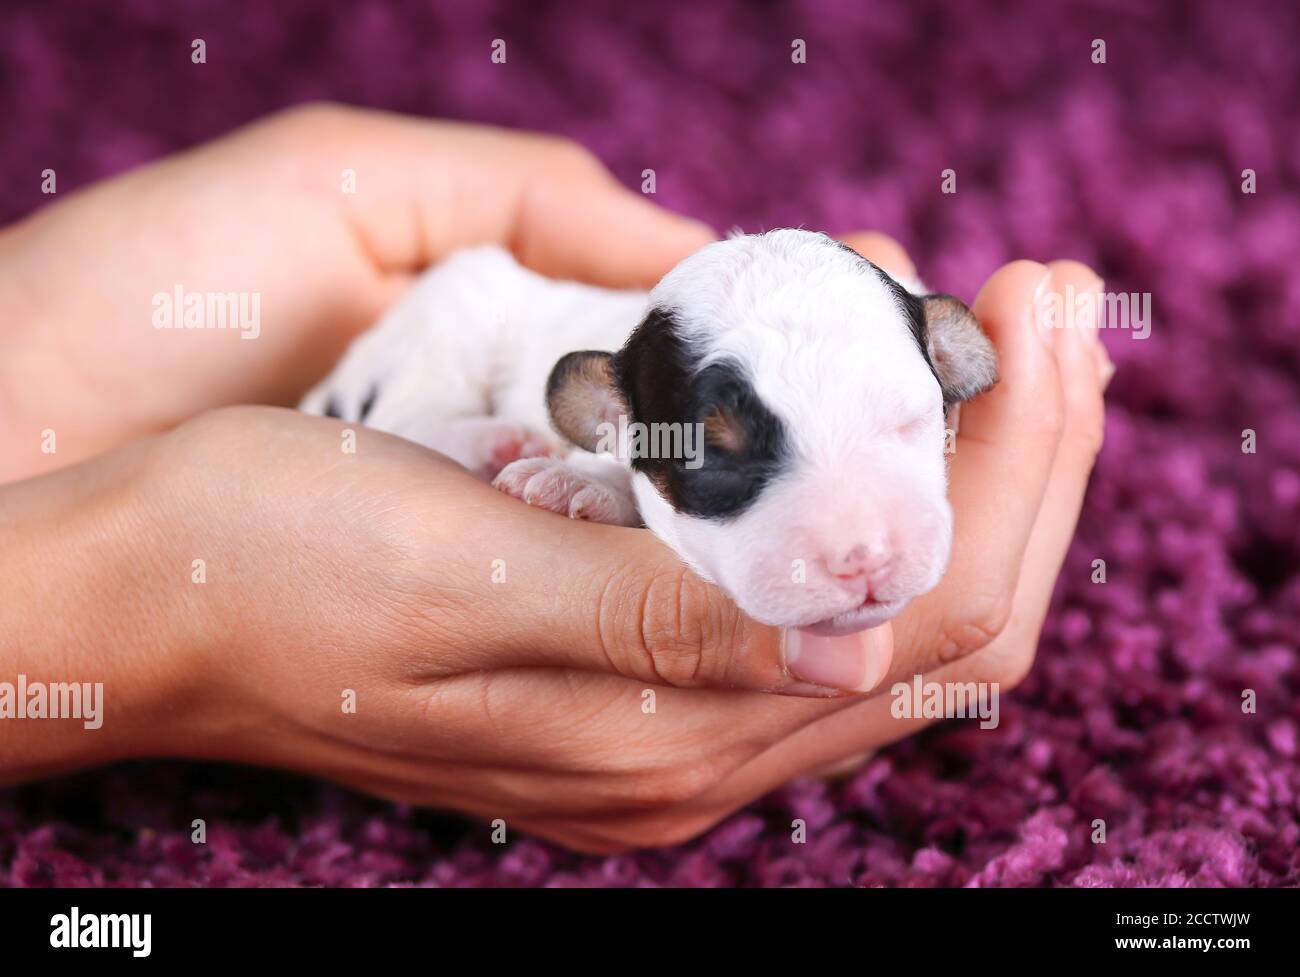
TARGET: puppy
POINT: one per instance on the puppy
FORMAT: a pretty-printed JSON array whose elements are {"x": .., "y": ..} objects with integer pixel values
[{"x": 773, "y": 410}]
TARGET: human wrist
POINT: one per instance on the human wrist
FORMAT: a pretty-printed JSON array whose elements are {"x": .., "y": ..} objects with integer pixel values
[{"x": 96, "y": 656}]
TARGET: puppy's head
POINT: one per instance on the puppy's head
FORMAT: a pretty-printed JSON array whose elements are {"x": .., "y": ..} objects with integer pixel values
[{"x": 782, "y": 405}]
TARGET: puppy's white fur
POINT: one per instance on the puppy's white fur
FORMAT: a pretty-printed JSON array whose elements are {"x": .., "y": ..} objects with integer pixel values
[{"x": 828, "y": 350}]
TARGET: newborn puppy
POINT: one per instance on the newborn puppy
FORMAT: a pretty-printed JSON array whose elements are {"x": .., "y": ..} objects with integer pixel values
[{"x": 773, "y": 410}]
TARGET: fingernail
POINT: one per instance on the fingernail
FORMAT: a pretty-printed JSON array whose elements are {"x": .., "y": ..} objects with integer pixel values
[
  {"x": 850, "y": 663},
  {"x": 1045, "y": 311}
]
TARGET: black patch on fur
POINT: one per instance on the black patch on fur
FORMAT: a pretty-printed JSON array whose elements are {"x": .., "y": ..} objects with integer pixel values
[
  {"x": 661, "y": 384},
  {"x": 332, "y": 409},
  {"x": 914, "y": 312}
]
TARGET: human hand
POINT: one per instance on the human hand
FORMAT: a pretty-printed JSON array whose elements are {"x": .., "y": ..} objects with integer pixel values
[
  {"x": 263, "y": 212},
  {"x": 522, "y": 696},
  {"x": 674, "y": 792},
  {"x": 249, "y": 589}
]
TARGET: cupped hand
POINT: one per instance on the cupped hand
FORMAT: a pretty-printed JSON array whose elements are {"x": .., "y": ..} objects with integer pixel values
[
  {"x": 366, "y": 611},
  {"x": 380, "y": 618},
  {"x": 273, "y": 588}
]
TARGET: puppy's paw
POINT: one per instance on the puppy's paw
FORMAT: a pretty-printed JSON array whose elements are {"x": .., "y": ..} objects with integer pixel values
[{"x": 550, "y": 483}]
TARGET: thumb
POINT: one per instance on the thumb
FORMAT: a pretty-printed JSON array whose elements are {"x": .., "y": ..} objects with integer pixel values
[
  {"x": 589, "y": 227},
  {"x": 616, "y": 600}
]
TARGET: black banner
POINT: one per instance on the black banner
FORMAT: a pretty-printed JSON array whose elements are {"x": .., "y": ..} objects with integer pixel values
[{"x": 932, "y": 927}]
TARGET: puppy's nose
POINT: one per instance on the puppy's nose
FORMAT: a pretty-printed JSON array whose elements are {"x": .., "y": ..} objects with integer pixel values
[{"x": 858, "y": 560}]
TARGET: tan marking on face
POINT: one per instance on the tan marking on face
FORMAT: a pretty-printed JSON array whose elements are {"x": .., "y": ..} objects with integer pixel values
[{"x": 723, "y": 430}]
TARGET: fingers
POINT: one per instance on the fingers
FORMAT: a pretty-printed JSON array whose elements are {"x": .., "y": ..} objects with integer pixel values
[
  {"x": 1005, "y": 448},
  {"x": 1084, "y": 369},
  {"x": 425, "y": 189}
]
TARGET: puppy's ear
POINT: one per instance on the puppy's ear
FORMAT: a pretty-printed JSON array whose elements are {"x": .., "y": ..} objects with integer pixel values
[
  {"x": 963, "y": 357},
  {"x": 582, "y": 395}
]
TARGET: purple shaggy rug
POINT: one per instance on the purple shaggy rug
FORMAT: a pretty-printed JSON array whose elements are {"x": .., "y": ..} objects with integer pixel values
[{"x": 1133, "y": 712}]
